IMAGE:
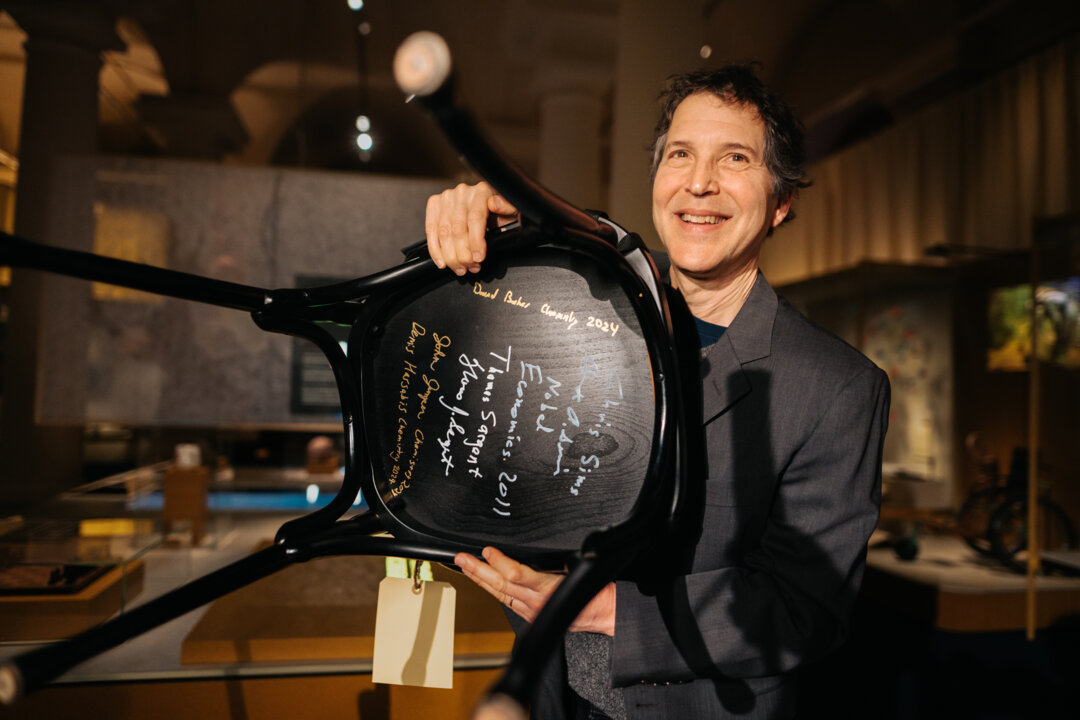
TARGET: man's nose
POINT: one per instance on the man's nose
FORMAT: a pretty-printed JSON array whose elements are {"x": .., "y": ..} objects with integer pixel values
[{"x": 703, "y": 179}]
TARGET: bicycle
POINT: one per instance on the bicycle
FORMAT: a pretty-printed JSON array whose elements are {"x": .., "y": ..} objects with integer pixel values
[{"x": 993, "y": 520}]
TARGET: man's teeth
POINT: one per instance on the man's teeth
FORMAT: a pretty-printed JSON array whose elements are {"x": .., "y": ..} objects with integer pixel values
[{"x": 708, "y": 219}]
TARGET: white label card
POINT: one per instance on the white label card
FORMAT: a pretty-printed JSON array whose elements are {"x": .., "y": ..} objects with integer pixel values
[{"x": 414, "y": 634}]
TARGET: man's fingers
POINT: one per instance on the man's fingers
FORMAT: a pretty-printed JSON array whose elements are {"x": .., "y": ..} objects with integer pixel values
[
  {"x": 489, "y": 580},
  {"x": 431, "y": 229},
  {"x": 510, "y": 569},
  {"x": 458, "y": 241},
  {"x": 477, "y": 211},
  {"x": 500, "y": 206},
  {"x": 477, "y": 222},
  {"x": 456, "y": 225},
  {"x": 439, "y": 225},
  {"x": 487, "y": 577},
  {"x": 526, "y": 585},
  {"x": 505, "y": 579}
]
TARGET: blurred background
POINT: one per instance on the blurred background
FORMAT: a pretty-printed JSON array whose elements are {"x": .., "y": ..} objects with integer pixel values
[{"x": 265, "y": 142}]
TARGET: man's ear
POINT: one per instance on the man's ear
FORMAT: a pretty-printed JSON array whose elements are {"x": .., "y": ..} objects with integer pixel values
[{"x": 781, "y": 211}]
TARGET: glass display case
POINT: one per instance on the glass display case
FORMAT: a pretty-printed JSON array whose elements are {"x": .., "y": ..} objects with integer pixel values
[{"x": 59, "y": 576}]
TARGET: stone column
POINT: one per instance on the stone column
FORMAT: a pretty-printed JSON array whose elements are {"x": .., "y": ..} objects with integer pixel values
[
  {"x": 59, "y": 117},
  {"x": 573, "y": 51},
  {"x": 570, "y": 149},
  {"x": 655, "y": 40}
]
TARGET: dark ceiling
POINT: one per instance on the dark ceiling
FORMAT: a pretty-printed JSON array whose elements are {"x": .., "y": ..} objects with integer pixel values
[{"x": 295, "y": 73}]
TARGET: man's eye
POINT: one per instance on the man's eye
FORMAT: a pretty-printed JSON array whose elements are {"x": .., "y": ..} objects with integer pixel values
[
  {"x": 736, "y": 161},
  {"x": 678, "y": 154}
]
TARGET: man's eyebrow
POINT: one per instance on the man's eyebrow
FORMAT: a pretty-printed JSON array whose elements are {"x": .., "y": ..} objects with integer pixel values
[
  {"x": 679, "y": 144},
  {"x": 734, "y": 145}
]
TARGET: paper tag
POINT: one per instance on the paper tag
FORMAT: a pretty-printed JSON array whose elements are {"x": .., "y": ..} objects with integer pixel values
[{"x": 414, "y": 634}]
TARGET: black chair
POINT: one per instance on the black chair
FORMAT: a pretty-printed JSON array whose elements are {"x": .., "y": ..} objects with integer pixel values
[{"x": 534, "y": 406}]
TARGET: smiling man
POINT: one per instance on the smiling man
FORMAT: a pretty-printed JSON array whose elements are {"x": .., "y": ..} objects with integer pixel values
[{"x": 793, "y": 422}]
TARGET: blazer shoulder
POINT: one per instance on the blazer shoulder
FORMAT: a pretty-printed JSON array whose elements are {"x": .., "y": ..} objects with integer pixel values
[{"x": 800, "y": 343}]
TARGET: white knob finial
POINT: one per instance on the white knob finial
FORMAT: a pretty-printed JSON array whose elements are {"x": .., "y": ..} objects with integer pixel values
[{"x": 422, "y": 63}]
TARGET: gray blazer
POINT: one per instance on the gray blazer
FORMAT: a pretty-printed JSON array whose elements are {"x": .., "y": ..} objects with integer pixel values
[{"x": 793, "y": 422}]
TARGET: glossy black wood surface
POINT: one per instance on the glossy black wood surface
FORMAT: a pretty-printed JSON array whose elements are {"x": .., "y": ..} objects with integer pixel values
[{"x": 514, "y": 407}]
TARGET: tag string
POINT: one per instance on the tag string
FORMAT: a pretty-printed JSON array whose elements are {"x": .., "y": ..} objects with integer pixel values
[{"x": 417, "y": 585}]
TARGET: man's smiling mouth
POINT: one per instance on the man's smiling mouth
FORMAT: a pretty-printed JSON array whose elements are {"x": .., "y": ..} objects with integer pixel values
[{"x": 701, "y": 219}]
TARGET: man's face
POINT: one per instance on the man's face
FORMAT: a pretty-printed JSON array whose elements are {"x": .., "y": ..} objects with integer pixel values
[{"x": 713, "y": 200}]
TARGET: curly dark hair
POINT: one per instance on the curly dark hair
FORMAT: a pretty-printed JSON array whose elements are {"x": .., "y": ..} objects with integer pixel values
[{"x": 785, "y": 152}]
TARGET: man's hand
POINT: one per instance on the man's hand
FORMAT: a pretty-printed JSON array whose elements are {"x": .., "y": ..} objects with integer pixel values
[
  {"x": 525, "y": 590},
  {"x": 455, "y": 223}
]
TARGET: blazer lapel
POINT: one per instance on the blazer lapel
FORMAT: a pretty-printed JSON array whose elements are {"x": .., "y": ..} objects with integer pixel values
[{"x": 748, "y": 338}]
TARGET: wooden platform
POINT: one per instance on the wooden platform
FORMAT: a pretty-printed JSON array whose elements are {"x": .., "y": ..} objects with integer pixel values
[
  {"x": 324, "y": 609},
  {"x": 50, "y": 617}
]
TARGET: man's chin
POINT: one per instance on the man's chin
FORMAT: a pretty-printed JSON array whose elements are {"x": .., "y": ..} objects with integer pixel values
[{"x": 694, "y": 267}]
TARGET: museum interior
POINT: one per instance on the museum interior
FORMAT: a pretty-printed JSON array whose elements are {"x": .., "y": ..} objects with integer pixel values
[{"x": 147, "y": 440}]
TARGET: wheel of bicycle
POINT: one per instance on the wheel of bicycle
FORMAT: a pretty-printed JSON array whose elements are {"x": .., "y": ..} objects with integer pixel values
[
  {"x": 1008, "y": 531},
  {"x": 973, "y": 520}
]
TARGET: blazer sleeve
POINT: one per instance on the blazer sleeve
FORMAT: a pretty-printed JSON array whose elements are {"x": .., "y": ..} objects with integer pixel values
[{"x": 790, "y": 597}]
